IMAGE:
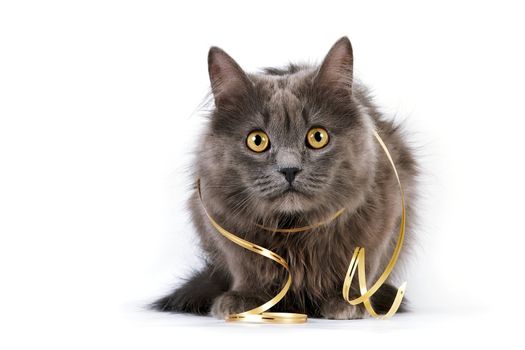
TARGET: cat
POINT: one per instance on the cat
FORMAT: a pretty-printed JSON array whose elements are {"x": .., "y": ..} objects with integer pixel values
[{"x": 289, "y": 147}]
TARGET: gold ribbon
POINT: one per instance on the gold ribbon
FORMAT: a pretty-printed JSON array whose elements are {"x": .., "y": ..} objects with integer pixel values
[
  {"x": 258, "y": 314},
  {"x": 358, "y": 260},
  {"x": 304, "y": 228},
  {"x": 357, "y": 263}
]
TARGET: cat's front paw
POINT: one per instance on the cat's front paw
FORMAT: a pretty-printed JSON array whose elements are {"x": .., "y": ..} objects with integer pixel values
[
  {"x": 337, "y": 308},
  {"x": 233, "y": 302}
]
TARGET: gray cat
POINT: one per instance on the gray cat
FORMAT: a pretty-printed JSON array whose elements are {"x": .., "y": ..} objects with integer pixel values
[{"x": 287, "y": 148}]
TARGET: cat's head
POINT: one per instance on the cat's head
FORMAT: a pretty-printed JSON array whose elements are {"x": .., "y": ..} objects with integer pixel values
[{"x": 286, "y": 141}]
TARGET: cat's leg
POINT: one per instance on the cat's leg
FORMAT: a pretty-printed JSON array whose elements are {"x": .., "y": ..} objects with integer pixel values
[
  {"x": 251, "y": 287},
  {"x": 233, "y": 302},
  {"x": 336, "y": 308}
]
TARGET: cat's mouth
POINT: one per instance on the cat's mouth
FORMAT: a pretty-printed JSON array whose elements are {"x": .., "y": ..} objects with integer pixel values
[
  {"x": 293, "y": 195},
  {"x": 291, "y": 189},
  {"x": 287, "y": 193}
]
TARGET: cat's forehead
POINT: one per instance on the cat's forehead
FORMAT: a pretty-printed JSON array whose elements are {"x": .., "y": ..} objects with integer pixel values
[
  {"x": 283, "y": 100},
  {"x": 282, "y": 103},
  {"x": 292, "y": 82}
]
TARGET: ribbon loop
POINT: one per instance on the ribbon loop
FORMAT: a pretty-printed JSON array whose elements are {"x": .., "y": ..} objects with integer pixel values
[
  {"x": 258, "y": 314},
  {"x": 358, "y": 260}
]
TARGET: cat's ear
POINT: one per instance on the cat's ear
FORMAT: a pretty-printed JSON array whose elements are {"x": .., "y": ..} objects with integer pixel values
[
  {"x": 336, "y": 71},
  {"x": 229, "y": 83}
]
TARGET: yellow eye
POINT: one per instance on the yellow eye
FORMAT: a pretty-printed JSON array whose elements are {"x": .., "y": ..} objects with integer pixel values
[
  {"x": 257, "y": 141},
  {"x": 317, "y": 138}
]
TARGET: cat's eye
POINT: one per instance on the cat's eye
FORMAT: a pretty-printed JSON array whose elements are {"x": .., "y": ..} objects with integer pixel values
[
  {"x": 258, "y": 141},
  {"x": 317, "y": 138}
]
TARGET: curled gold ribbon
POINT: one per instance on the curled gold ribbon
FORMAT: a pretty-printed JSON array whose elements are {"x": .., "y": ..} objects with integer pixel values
[
  {"x": 258, "y": 314},
  {"x": 357, "y": 263},
  {"x": 358, "y": 260}
]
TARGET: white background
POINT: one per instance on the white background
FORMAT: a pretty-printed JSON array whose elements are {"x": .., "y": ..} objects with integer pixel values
[{"x": 99, "y": 112}]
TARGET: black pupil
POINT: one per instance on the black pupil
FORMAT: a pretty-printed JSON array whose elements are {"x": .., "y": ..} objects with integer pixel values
[
  {"x": 318, "y": 136},
  {"x": 257, "y": 139}
]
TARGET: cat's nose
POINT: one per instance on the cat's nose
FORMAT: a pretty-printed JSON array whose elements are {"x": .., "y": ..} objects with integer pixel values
[{"x": 289, "y": 173}]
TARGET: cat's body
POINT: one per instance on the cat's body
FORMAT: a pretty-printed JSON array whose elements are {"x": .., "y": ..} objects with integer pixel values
[{"x": 242, "y": 188}]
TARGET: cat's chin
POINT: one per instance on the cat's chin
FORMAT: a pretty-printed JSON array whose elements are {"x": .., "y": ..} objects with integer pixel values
[{"x": 291, "y": 201}]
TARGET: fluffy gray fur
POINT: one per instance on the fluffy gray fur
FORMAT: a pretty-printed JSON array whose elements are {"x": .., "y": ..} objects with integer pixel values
[{"x": 242, "y": 188}]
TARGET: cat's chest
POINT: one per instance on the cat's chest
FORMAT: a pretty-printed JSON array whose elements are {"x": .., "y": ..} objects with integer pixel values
[{"x": 317, "y": 260}]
